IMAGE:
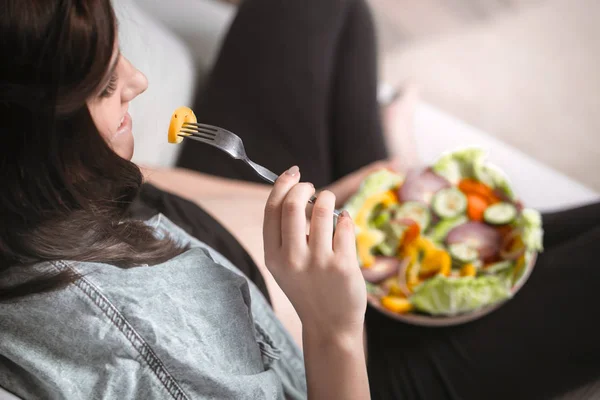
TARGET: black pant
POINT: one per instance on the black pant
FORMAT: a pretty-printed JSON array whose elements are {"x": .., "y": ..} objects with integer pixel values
[{"x": 297, "y": 81}]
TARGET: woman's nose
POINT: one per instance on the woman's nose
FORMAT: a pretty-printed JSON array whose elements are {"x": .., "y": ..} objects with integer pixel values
[{"x": 137, "y": 83}]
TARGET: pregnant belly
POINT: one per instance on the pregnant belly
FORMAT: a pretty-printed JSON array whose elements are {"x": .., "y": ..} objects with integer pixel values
[
  {"x": 243, "y": 217},
  {"x": 239, "y": 207}
]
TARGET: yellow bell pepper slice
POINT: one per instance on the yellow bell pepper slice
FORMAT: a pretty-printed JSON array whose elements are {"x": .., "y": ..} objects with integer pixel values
[
  {"x": 386, "y": 198},
  {"x": 392, "y": 287},
  {"x": 445, "y": 263},
  {"x": 519, "y": 267},
  {"x": 412, "y": 275},
  {"x": 412, "y": 283},
  {"x": 399, "y": 305},
  {"x": 468, "y": 270},
  {"x": 365, "y": 241},
  {"x": 434, "y": 260},
  {"x": 179, "y": 117}
]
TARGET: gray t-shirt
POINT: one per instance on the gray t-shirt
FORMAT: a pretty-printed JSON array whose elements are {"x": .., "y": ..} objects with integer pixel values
[{"x": 191, "y": 328}]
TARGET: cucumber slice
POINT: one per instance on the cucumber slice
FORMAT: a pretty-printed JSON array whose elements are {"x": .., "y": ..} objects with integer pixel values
[
  {"x": 440, "y": 231},
  {"x": 500, "y": 213},
  {"x": 463, "y": 253},
  {"x": 449, "y": 203},
  {"x": 416, "y": 211}
]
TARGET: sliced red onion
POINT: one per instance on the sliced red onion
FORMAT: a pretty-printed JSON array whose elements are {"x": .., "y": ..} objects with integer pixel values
[
  {"x": 402, "y": 269},
  {"x": 502, "y": 196},
  {"x": 519, "y": 205},
  {"x": 421, "y": 186},
  {"x": 505, "y": 251},
  {"x": 480, "y": 236},
  {"x": 382, "y": 268}
]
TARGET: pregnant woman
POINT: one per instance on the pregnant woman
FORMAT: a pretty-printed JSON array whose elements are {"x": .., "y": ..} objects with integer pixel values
[{"x": 95, "y": 304}]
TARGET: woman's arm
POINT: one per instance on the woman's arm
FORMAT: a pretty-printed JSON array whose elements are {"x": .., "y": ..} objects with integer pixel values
[
  {"x": 196, "y": 185},
  {"x": 335, "y": 366},
  {"x": 320, "y": 275}
]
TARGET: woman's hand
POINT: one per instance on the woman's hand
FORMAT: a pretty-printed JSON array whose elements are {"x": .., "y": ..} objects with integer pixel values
[{"x": 319, "y": 273}]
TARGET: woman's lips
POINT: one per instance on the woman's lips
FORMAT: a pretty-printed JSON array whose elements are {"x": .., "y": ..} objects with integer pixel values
[{"x": 125, "y": 126}]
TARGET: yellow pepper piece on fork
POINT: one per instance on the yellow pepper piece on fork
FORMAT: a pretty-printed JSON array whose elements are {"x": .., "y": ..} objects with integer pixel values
[{"x": 179, "y": 117}]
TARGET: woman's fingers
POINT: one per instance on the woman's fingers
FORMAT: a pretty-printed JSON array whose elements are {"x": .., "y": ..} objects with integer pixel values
[
  {"x": 321, "y": 224},
  {"x": 273, "y": 208},
  {"x": 293, "y": 218},
  {"x": 344, "y": 240}
]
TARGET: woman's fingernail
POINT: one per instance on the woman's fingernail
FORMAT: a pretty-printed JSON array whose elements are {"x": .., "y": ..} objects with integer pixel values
[
  {"x": 345, "y": 214},
  {"x": 293, "y": 171}
]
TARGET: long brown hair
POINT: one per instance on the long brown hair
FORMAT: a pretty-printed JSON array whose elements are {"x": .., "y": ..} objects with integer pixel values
[{"x": 64, "y": 193}]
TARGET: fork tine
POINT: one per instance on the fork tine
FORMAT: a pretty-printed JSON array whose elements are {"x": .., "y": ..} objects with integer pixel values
[
  {"x": 205, "y": 126},
  {"x": 188, "y": 132},
  {"x": 197, "y": 138},
  {"x": 199, "y": 130}
]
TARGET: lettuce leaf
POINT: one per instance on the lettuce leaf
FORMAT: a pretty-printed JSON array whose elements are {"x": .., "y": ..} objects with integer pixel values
[
  {"x": 495, "y": 178},
  {"x": 530, "y": 221},
  {"x": 459, "y": 164},
  {"x": 451, "y": 296},
  {"x": 377, "y": 182},
  {"x": 470, "y": 163}
]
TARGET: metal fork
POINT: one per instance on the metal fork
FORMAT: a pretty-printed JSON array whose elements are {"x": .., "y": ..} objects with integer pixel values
[{"x": 231, "y": 144}]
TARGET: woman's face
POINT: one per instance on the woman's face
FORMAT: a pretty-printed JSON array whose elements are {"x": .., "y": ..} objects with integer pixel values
[{"x": 109, "y": 106}]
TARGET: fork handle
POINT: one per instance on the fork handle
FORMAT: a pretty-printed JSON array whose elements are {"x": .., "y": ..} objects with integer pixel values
[{"x": 271, "y": 177}]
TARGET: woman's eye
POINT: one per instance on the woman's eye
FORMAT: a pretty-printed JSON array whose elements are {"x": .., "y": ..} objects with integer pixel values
[{"x": 110, "y": 87}]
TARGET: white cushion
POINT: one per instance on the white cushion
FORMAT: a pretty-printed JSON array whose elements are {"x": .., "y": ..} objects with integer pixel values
[
  {"x": 4, "y": 395},
  {"x": 173, "y": 62},
  {"x": 200, "y": 24}
]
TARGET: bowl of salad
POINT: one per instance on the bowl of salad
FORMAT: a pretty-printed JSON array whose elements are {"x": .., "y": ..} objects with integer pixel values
[{"x": 445, "y": 244}]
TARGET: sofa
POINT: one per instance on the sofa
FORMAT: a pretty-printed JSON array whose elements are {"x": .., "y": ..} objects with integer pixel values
[
  {"x": 176, "y": 51},
  {"x": 175, "y": 44}
]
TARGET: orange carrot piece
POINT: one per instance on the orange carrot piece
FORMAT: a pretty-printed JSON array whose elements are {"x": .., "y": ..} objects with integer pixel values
[
  {"x": 411, "y": 234},
  {"x": 476, "y": 206},
  {"x": 471, "y": 186}
]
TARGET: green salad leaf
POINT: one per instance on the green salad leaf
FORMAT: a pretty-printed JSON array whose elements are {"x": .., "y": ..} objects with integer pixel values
[
  {"x": 459, "y": 164},
  {"x": 443, "y": 295},
  {"x": 495, "y": 178},
  {"x": 470, "y": 163},
  {"x": 377, "y": 182},
  {"x": 530, "y": 221}
]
